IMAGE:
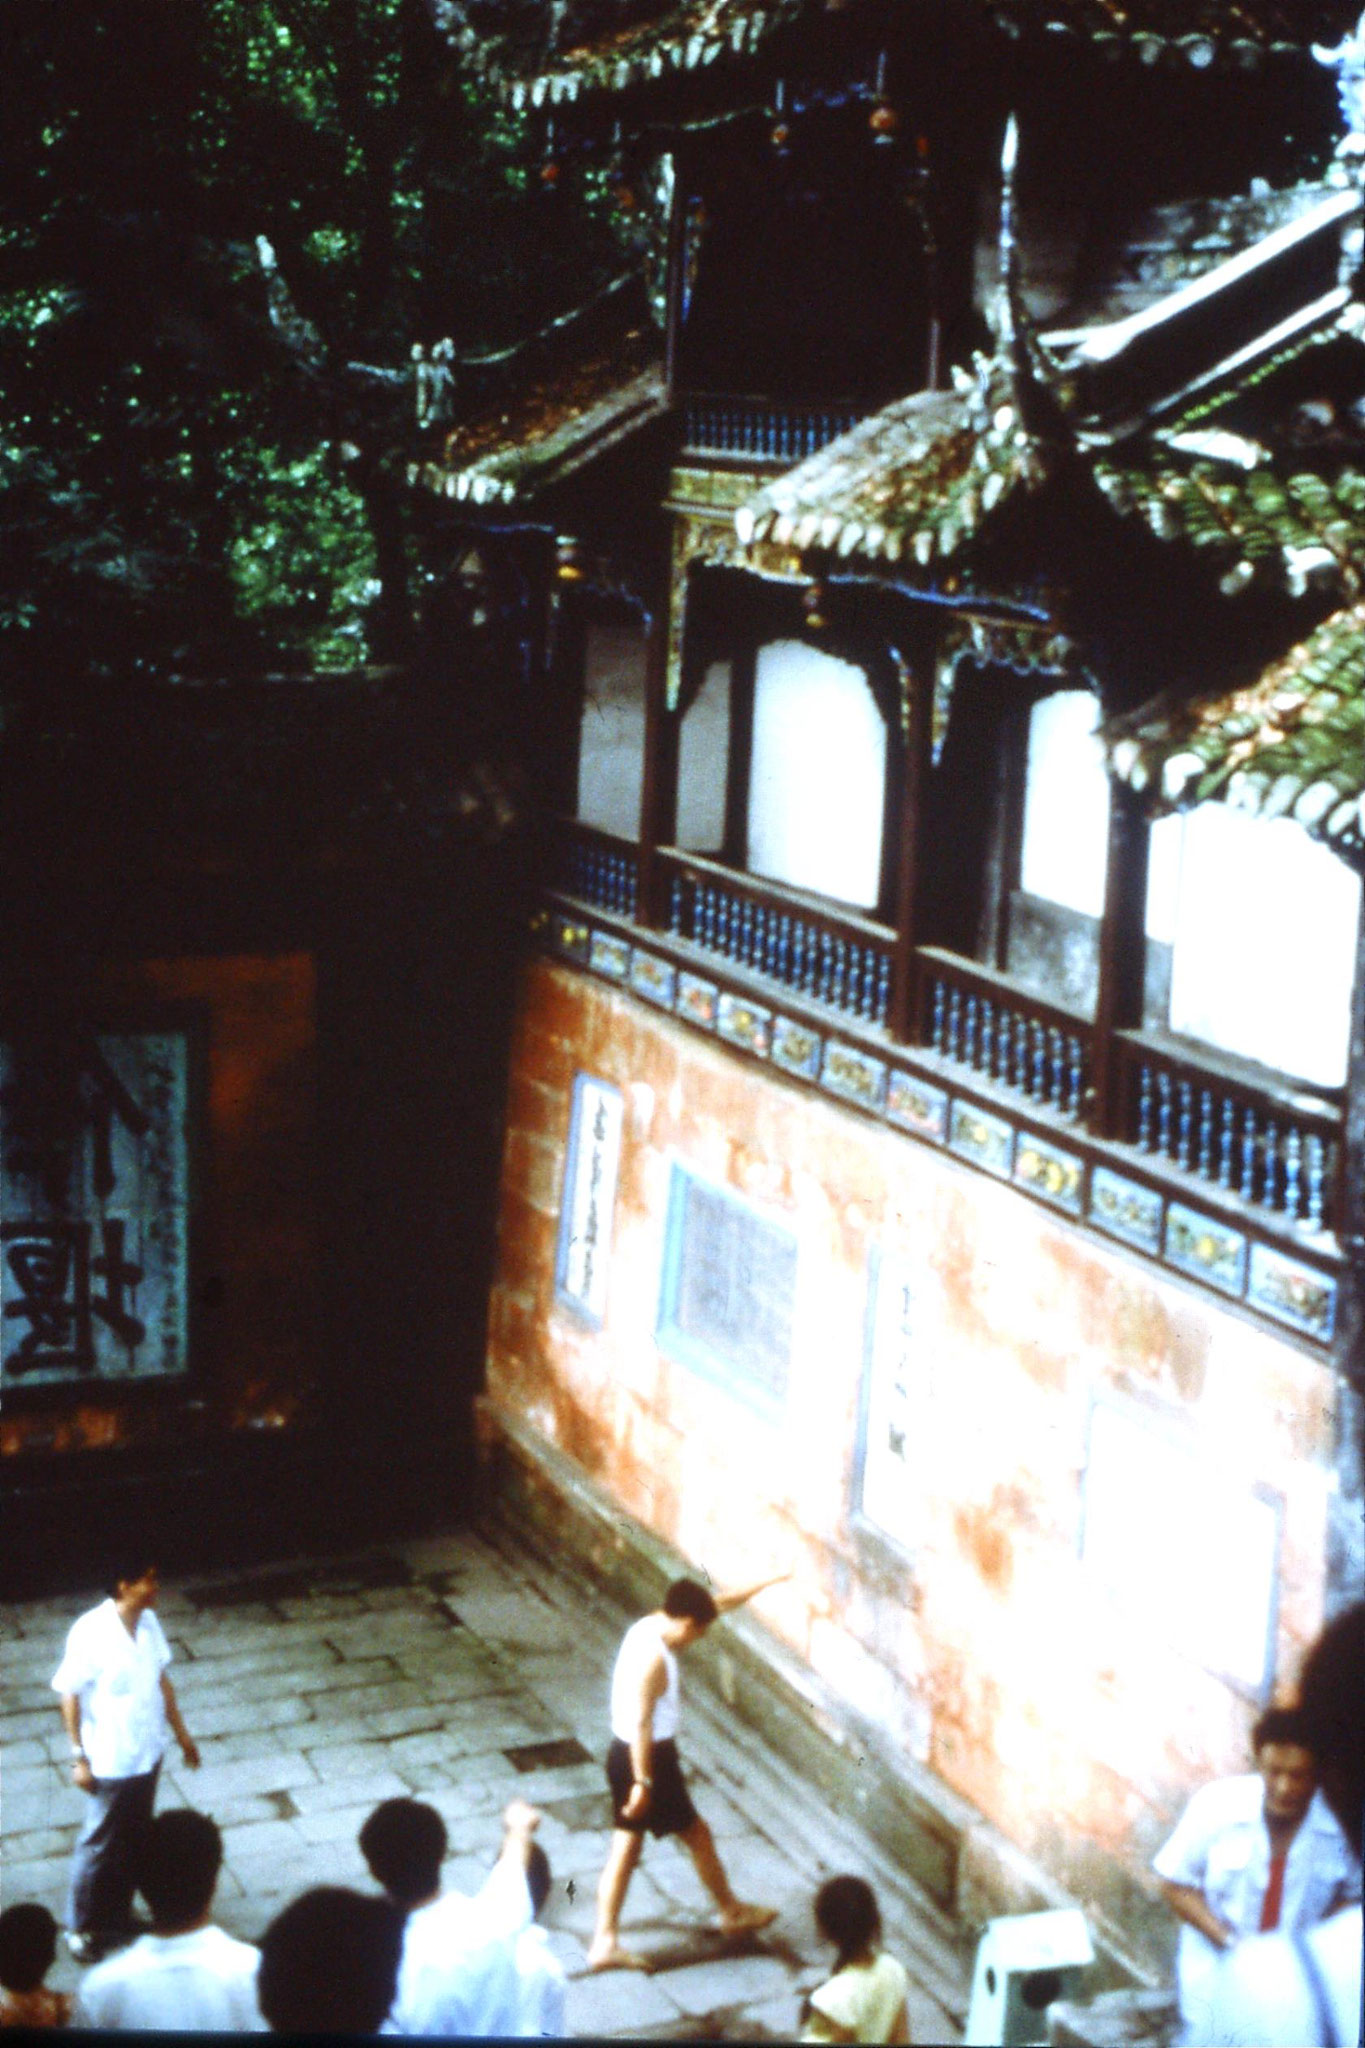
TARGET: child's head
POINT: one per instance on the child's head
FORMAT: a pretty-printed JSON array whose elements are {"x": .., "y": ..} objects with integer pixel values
[
  {"x": 846, "y": 1914},
  {"x": 28, "y": 1943}
]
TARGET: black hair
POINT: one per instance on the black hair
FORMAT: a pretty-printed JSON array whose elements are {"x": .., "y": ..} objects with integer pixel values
[
  {"x": 126, "y": 1566},
  {"x": 846, "y": 1914},
  {"x": 329, "y": 1963},
  {"x": 28, "y": 1943},
  {"x": 687, "y": 1600},
  {"x": 1331, "y": 1687},
  {"x": 537, "y": 1878},
  {"x": 178, "y": 1865},
  {"x": 1281, "y": 1724},
  {"x": 404, "y": 1843}
]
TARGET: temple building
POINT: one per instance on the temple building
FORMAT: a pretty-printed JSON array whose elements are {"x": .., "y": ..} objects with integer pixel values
[{"x": 936, "y": 1117}]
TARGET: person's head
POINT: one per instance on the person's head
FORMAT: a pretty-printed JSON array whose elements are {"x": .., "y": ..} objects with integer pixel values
[
  {"x": 133, "y": 1579},
  {"x": 404, "y": 1843},
  {"x": 1285, "y": 1760},
  {"x": 329, "y": 1963},
  {"x": 177, "y": 1868},
  {"x": 689, "y": 1610},
  {"x": 846, "y": 1914},
  {"x": 537, "y": 1878},
  {"x": 28, "y": 1943},
  {"x": 1331, "y": 1687}
]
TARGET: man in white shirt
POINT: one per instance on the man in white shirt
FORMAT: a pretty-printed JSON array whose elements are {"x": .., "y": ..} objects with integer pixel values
[
  {"x": 1290, "y": 1990},
  {"x": 186, "y": 1976},
  {"x": 1253, "y": 1854},
  {"x": 458, "y": 1973},
  {"x": 118, "y": 1706},
  {"x": 647, "y": 1786}
]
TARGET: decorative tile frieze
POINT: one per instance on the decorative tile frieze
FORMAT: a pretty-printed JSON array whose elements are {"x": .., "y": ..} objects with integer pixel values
[
  {"x": 1201, "y": 1245},
  {"x": 796, "y": 1049},
  {"x": 988, "y": 1141},
  {"x": 1126, "y": 1209},
  {"x": 1045, "y": 1170},
  {"x": 917, "y": 1105},
  {"x": 697, "y": 1000},
  {"x": 654, "y": 979},
  {"x": 609, "y": 956},
  {"x": 855, "y": 1076},
  {"x": 744, "y": 1024},
  {"x": 1298, "y": 1295},
  {"x": 569, "y": 937}
]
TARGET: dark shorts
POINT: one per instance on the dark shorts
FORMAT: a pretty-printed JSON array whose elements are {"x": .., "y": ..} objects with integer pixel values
[{"x": 670, "y": 1810}]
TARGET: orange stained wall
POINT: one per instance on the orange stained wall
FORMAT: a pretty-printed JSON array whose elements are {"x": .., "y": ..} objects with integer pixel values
[
  {"x": 990, "y": 1653},
  {"x": 253, "y": 1231}
]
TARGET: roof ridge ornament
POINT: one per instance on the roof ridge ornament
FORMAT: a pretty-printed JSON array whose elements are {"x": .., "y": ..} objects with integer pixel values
[{"x": 1348, "y": 61}]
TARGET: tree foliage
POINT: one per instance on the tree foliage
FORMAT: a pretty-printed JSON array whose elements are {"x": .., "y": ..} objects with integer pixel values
[{"x": 222, "y": 228}]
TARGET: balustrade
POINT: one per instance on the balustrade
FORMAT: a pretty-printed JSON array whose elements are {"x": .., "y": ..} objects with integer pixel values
[
  {"x": 1266, "y": 1145},
  {"x": 844, "y": 963},
  {"x": 767, "y": 433},
  {"x": 1269, "y": 1147},
  {"x": 981, "y": 1021}
]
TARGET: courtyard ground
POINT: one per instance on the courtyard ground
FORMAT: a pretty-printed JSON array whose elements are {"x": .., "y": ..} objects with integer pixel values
[{"x": 463, "y": 1671}]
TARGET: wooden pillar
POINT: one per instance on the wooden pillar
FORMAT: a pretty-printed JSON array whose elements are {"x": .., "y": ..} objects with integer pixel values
[
  {"x": 739, "y": 758},
  {"x": 1346, "y": 1524},
  {"x": 1123, "y": 948},
  {"x": 912, "y": 857},
  {"x": 659, "y": 794}
]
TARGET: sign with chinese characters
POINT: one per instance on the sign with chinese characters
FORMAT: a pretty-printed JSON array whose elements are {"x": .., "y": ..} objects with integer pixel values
[
  {"x": 885, "y": 1490},
  {"x": 729, "y": 1291},
  {"x": 1189, "y": 1551},
  {"x": 94, "y": 1208},
  {"x": 589, "y": 1196}
]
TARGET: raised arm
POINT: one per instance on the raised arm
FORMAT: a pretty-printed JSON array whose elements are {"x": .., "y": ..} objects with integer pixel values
[{"x": 727, "y": 1602}]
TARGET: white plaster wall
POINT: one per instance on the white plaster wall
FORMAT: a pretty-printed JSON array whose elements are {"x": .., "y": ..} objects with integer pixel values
[
  {"x": 703, "y": 756},
  {"x": 819, "y": 765},
  {"x": 1066, "y": 804},
  {"x": 1263, "y": 922},
  {"x": 612, "y": 755}
]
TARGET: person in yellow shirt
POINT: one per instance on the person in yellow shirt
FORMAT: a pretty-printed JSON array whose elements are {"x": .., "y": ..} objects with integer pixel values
[{"x": 865, "y": 1999}]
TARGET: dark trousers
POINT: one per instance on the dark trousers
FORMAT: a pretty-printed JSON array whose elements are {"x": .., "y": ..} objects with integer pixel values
[{"x": 99, "y": 1899}]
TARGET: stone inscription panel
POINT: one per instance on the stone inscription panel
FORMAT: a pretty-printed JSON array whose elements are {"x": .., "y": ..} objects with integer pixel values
[{"x": 729, "y": 1294}]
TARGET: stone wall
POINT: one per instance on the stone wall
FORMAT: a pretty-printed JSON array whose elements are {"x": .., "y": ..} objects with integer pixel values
[{"x": 985, "y": 1651}]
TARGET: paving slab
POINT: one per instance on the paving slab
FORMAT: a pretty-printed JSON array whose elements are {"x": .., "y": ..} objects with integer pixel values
[{"x": 463, "y": 1671}]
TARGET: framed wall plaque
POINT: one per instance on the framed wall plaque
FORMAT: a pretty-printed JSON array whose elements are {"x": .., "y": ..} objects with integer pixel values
[
  {"x": 728, "y": 1301},
  {"x": 585, "y": 1214},
  {"x": 94, "y": 1208}
]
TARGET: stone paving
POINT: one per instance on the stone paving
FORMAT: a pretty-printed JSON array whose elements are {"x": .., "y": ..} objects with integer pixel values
[{"x": 464, "y": 1672}]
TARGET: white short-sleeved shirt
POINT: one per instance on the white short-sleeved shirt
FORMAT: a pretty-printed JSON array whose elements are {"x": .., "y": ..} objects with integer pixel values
[
  {"x": 1259, "y": 1997},
  {"x": 543, "y": 1985},
  {"x": 458, "y": 1973},
  {"x": 1222, "y": 1848},
  {"x": 640, "y": 1644},
  {"x": 198, "y": 1983},
  {"x": 117, "y": 1679}
]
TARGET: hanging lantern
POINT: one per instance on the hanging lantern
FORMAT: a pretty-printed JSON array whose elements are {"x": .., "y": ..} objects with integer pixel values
[
  {"x": 780, "y": 134},
  {"x": 814, "y": 602},
  {"x": 618, "y": 178},
  {"x": 571, "y": 562},
  {"x": 884, "y": 121},
  {"x": 550, "y": 168}
]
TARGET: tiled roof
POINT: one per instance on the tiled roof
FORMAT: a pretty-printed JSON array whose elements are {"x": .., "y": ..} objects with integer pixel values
[
  {"x": 1292, "y": 744},
  {"x": 914, "y": 481},
  {"x": 545, "y": 56},
  {"x": 552, "y": 425},
  {"x": 1203, "y": 32}
]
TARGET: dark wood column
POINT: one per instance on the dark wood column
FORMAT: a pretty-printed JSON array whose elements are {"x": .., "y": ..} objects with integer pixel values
[
  {"x": 659, "y": 794},
  {"x": 912, "y": 858},
  {"x": 739, "y": 757},
  {"x": 1123, "y": 947}
]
